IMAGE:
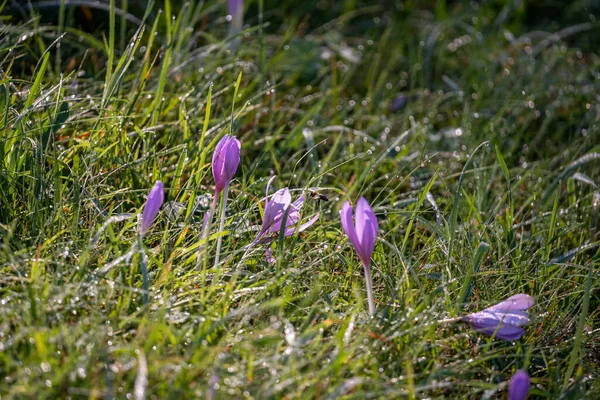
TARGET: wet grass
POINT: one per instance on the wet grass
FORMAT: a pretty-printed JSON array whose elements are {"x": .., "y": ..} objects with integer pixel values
[{"x": 473, "y": 130}]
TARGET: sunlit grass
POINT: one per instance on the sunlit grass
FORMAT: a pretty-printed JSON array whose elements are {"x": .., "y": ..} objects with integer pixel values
[{"x": 472, "y": 133}]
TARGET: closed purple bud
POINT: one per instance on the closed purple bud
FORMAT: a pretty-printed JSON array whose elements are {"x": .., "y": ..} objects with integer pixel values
[
  {"x": 226, "y": 159},
  {"x": 363, "y": 234},
  {"x": 504, "y": 319},
  {"x": 518, "y": 386},
  {"x": 152, "y": 206}
]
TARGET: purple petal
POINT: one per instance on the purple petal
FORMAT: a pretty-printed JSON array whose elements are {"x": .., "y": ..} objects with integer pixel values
[
  {"x": 292, "y": 228},
  {"x": 505, "y": 332},
  {"x": 232, "y": 157},
  {"x": 218, "y": 164},
  {"x": 275, "y": 208},
  {"x": 366, "y": 229},
  {"x": 348, "y": 226},
  {"x": 270, "y": 258},
  {"x": 267, "y": 190},
  {"x": 265, "y": 226},
  {"x": 308, "y": 223},
  {"x": 299, "y": 202},
  {"x": 152, "y": 206},
  {"x": 493, "y": 318},
  {"x": 291, "y": 220},
  {"x": 518, "y": 386},
  {"x": 517, "y": 302}
]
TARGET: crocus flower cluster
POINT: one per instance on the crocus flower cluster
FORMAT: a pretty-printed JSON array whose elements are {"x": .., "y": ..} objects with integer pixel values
[{"x": 504, "y": 319}]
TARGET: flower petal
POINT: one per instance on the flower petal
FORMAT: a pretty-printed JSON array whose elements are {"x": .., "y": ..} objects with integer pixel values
[
  {"x": 366, "y": 229},
  {"x": 299, "y": 202},
  {"x": 348, "y": 226},
  {"x": 267, "y": 190},
  {"x": 152, "y": 206},
  {"x": 308, "y": 223},
  {"x": 218, "y": 164},
  {"x": 275, "y": 208},
  {"x": 504, "y": 332},
  {"x": 232, "y": 157},
  {"x": 269, "y": 256},
  {"x": 518, "y": 386},
  {"x": 517, "y": 302},
  {"x": 494, "y": 318}
]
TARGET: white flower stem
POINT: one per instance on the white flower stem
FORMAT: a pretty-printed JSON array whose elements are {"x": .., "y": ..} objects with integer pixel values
[
  {"x": 369, "y": 290},
  {"x": 222, "y": 224},
  {"x": 144, "y": 269},
  {"x": 204, "y": 234},
  {"x": 449, "y": 320}
]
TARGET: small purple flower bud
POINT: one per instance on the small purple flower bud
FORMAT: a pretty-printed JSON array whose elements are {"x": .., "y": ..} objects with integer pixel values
[
  {"x": 398, "y": 103},
  {"x": 226, "y": 159},
  {"x": 518, "y": 386},
  {"x": 152, "y": 206},
  {"x": 504, "y": 319},
  {"x": 364, "y": 234}
]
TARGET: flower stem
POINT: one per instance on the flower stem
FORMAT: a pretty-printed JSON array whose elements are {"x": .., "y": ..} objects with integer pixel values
[
  {"x": 369, "y": 290},
  {"x": 205, "y": 228},
  {"x": 143, "y": 269},
  {"x": 449, "y": 320},
  {"x": 222, "y": 224}
]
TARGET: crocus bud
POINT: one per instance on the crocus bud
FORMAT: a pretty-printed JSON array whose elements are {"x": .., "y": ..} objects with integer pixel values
[
  {"x": 364, "y": 234},
  {"x": 504, "y": 319},
  {"x": 225, "y": 161},
  {"x": 518, "y": 386},
  {"x": 152, "y": 206}
]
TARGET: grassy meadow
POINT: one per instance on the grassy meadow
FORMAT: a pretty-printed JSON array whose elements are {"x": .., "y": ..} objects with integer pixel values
[{"x": 472, "y": 129}]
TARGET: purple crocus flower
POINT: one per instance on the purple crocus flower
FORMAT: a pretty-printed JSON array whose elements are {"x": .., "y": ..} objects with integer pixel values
[
  {"x": 504, "y": 319},
  {"x": 275, "y": 210},
  {"x": 518, "y": 386},
  {"x": 152, "y": 206},
  {"x": 292, "y": 220},
  {"x": 362, "y": 236},
  {"x": 226, "y": 159}
]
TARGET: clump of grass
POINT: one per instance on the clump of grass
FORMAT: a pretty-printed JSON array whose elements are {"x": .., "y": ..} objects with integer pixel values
[{"x": 473, "y": 135}]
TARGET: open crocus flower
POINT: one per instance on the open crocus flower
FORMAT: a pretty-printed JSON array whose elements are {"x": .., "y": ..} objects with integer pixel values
[
  {"x": 518, "y": 386},
  {"x": 152, "y": 206},
  {"x": 275, "y": 210},
  {"x": 363, "y": 236},
  {"x": 505, "y": 319},
  {"x": 291, "y": 221}
]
